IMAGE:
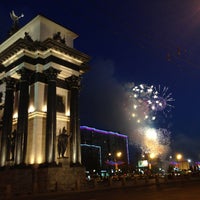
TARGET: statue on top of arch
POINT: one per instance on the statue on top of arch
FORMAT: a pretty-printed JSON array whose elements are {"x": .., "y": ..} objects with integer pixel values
[{"x": 15, "y": 19}]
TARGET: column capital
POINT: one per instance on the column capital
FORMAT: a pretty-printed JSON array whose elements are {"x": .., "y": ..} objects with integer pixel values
[
  {"x": 25, "y": 73},
  {"x": 51, "y": 73},
  {"x": 74, "y": 82},
  {"x": 10, "y": 83}
]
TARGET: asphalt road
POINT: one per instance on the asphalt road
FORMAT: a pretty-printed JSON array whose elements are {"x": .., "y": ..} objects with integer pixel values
[{"x": 172, "y": 191}]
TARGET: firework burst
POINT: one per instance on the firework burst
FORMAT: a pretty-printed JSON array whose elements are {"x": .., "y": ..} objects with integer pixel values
[
  {"x": 145, "y": 102},
  {"x": 163, "y": 100},
  {"x": 153, "y": 141},
  {"x": 148, "y": 100}
]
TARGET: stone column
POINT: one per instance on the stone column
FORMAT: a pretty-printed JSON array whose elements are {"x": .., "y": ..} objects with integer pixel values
[
  {"x": 75, "y": 147},
  {"x": 51, "y": 75},
  {"x": 7, "y": 120},
  {"x": 22, "y": 121}
]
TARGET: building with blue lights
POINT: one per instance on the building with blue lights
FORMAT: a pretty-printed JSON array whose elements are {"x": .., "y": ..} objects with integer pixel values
[{"x": 103, "y": 150}]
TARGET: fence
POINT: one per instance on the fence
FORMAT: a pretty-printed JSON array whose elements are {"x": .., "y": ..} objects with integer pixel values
[
  {"x": 108, "y": 183},
  {"x": 123, "y": 181}
]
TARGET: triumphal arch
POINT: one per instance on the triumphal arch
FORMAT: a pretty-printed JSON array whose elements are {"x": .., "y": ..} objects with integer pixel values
[{"x": 40, "y": 77}]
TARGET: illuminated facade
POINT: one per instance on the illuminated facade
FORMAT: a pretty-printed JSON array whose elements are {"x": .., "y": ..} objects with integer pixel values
[
  {"x": 103, "y": 149},
  {"x": 40, "y": 74}
]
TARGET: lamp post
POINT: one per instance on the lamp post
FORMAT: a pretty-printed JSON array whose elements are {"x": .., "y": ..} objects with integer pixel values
[
  {"x": 118, "y": 156},
  {"x": 151, "y": 157},
  {"x": 179, "y": 158}
]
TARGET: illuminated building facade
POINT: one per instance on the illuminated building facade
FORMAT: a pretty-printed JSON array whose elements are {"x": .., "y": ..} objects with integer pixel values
[
  {"x": 40, "y": 74},
  {"x": 103, "y": 149}
]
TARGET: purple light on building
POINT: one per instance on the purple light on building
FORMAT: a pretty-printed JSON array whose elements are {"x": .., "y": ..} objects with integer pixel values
[
  {"x": 108, "y": 133},
  {"x": 102, "y": 131}
]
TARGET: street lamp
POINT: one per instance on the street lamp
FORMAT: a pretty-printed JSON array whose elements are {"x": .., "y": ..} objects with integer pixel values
[
  {"x": 179, "y": 156},
  {"x": 151, "y": 157},
  {"x": 118, "y": 155}
]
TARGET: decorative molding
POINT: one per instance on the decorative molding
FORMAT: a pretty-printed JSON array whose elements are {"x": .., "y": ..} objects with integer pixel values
[
  {"x": 57, "y": 37},
  {"x": 24, "y": 44},
  {"x": 27, "y": 37}
]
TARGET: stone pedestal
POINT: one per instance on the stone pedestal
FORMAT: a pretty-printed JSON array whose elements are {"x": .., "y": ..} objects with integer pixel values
[
  {"x": 39, "y": 179},
  {"x": 64, "y": 162},
  {"x": 65, "y": 178}
]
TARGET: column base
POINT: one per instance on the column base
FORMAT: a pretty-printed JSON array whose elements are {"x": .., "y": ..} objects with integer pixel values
[
  {"x": 76, "y": 165},
  {"x": 64, "y": 161}
]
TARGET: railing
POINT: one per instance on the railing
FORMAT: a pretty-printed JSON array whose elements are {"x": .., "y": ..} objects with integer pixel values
[
  {"x": 123, "y": 181},
  {"x": 113, "y": 182}
]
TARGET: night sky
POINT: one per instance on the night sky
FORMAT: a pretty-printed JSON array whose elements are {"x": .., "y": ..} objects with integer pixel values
[{"x": 153, "y": 42}]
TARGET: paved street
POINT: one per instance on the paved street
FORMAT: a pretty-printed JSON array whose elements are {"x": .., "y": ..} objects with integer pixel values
[{"x": 172, "y": 191}]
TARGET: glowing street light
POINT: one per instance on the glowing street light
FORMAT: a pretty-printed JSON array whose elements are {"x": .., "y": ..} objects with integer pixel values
[
  {"x": 119, "y": 154},
  {"x": 179, "y": 156},
  {"x": 152, "y": 155}
]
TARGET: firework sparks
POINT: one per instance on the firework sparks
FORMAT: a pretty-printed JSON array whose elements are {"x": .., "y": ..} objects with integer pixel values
[
  {"x": 144, "y": 104},
  {"x": 154, "y": 142},
  {"x": 148, "y": 100}
]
